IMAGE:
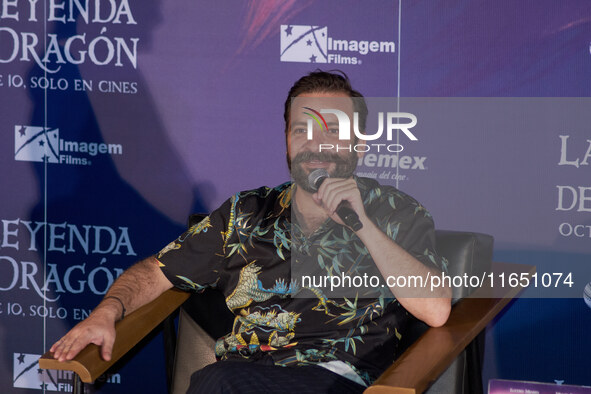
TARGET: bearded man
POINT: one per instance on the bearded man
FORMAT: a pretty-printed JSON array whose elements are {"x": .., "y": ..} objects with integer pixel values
[{"x": 293, "y": 335}]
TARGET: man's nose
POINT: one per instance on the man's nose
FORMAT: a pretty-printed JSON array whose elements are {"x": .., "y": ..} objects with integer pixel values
[{"x": 319, "y": 137}]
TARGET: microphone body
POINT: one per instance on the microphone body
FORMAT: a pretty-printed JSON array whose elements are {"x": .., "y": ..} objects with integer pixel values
[{"x": 344, "y": 210}]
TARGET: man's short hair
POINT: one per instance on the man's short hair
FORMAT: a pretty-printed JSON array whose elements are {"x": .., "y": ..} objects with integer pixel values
[{"x": 326, "y": 82}]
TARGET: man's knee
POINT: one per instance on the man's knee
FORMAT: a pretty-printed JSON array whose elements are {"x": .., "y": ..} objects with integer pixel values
[{"x": 214, "y": 378}]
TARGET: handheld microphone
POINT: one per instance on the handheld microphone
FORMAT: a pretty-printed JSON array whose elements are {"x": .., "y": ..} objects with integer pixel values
[{"x": 344, "y": 210}]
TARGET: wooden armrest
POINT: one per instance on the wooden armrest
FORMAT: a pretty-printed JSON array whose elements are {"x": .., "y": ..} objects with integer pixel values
[
  {"x": 422, "y": 363},
  {"x": 89, "y": 365}
]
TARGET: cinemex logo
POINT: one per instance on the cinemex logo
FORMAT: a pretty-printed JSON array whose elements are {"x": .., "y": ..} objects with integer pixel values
[
  {"x": 40, "y": 144},
  {"x": 344, "y": 130},
  {"x": 312, "y": 44},
  {"x": 28, "y": 375}
]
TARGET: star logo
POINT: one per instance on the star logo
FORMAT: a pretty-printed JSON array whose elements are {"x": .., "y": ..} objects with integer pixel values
[
  {"x": 28, "y": 375},
  {"x": 306, "y": 44},
  {"x": 40, "y": 144}
]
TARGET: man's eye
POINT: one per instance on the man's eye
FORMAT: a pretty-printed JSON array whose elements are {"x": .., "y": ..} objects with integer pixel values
[
  {"x": 333, "y": 131},
  {"x": 299, "y": 130}
]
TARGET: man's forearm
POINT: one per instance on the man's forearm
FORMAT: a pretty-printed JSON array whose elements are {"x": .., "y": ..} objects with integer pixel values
[
  {"x": 392, "y": 261},
  {"x": 138, "y": 285}
]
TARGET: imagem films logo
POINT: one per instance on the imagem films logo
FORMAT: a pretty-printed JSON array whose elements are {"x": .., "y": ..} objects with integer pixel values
[
  {"x": 40, "y": 144},
  {"x": 312, "y": 44}
]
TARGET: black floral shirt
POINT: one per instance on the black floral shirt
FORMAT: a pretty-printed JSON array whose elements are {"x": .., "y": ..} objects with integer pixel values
[{"x": 245, "y": 249}]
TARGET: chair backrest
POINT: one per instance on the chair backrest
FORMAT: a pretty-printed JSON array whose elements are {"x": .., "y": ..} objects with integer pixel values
[{"x": 466, "y": 252}]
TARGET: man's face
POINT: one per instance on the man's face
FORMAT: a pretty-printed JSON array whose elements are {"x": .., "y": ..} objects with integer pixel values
[{"x": 306, "y": 155}]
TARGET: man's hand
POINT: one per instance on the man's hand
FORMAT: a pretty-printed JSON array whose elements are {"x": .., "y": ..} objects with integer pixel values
[
  {"x": 333, "y": 191},
  {"x": 137, "y": 286},
  {"x": 98, "y": 328}
]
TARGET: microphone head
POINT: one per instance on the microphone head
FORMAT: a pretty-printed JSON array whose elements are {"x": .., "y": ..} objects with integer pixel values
[{"x": 316, "y": 178}]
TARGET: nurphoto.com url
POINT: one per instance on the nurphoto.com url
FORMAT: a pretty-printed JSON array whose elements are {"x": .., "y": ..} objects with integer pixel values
[{"x": 434, "y": 282}]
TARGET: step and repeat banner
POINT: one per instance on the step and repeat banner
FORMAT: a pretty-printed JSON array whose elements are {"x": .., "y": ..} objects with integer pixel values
[{"x": 119, "y": 118}]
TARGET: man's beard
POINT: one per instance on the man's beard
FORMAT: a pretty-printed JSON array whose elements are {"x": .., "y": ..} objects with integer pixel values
[{"x": 344, "y": 166}]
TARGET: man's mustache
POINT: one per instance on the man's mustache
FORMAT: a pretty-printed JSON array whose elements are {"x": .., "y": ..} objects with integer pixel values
[{"x": 318, "y": 156}]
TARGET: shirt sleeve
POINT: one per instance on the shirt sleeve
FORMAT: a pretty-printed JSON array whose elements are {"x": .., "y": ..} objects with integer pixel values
[
  {"x": 410, "y": 225},
  {"x": 193, "y": 261},
  {"x": 417, "y": 234}
]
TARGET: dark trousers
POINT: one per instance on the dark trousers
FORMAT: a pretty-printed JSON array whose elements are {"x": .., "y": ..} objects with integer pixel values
[{"x": 245, "y": 377}]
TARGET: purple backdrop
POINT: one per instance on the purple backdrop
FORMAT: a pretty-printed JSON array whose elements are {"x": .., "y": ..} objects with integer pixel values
[{"x": 148, "y": 111}]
